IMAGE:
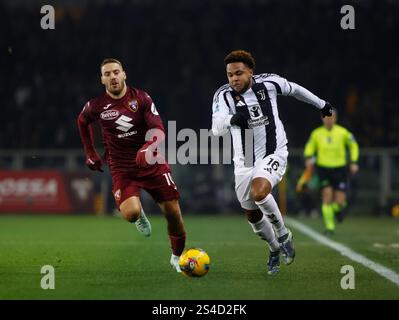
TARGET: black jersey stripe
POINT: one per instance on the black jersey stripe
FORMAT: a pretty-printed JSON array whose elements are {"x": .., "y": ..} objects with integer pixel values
[
  {"x": 226, "y": 100},
  {"x": 247, "y": 142},
  {"x": 218, "y": 91},
  {"x": 276, "y": 85},
  {"x": 267, "y": 110},
  {"x": 236, "y": 98},
  {"x": 249, "y": 138}
]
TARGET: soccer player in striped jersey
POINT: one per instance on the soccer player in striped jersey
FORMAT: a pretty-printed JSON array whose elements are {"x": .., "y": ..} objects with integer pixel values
[
  {"x": 329, "y": 143},
  {"x": 247, "y": 107}
]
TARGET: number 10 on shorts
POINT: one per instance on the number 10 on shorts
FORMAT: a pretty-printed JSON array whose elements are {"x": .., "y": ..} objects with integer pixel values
[{"x": 169, "y": 180}]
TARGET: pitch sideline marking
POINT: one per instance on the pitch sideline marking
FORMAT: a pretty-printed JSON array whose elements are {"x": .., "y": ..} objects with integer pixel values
[{"x": 346, "y": 251}]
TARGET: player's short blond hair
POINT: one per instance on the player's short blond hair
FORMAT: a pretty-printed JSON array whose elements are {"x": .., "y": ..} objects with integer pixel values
[{"x": 110, "y": 60}]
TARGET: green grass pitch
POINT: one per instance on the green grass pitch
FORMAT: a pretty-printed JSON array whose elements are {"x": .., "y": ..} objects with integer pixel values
[{"x": 106, "y": 258}]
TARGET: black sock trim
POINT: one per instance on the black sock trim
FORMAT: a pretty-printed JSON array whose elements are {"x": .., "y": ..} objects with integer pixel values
[
  {"x": 283, "y": 238},
  {"x": 275, "y": 253}
]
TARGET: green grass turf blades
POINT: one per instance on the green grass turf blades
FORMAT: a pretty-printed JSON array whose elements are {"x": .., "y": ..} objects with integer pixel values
[{"x": 106, "y": 258}]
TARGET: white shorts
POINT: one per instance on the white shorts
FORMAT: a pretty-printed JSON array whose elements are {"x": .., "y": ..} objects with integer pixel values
[{"x": 271, "y": 168}]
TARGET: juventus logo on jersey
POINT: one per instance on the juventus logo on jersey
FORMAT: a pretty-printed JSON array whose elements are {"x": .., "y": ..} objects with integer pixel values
[{"x": 261, "y": 94}]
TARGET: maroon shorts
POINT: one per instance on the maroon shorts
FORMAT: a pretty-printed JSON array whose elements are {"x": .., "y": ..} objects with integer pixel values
[{"x": 160, "y": 187}]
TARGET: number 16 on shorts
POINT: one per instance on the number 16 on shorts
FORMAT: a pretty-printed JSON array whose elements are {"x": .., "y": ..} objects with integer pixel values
[
  {"x": 271, "y": 168},
  {"x": 272, "y": 165}
]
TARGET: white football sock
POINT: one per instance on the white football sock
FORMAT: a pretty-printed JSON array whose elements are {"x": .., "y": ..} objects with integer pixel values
[
  {"x": 270, "y": 209},
  {"x": 264, "y": 229}
]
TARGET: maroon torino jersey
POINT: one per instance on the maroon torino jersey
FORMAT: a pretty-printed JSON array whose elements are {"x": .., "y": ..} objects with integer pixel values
[{"x": 124, "y": 123}]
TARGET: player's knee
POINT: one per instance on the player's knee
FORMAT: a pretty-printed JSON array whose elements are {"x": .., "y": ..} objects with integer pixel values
[
  {"x": 326, "y": 199},
  {"x": 259, "y": 194},
  {"x": 327, "y": 195},
  {"x": 340, "y": 199},
  {"x": 131, "y": 214},
  {"x": 260, "y": 189}
]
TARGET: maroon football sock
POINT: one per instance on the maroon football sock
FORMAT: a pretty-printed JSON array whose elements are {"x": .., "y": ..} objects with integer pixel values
[{"x": 177, "y": 243}]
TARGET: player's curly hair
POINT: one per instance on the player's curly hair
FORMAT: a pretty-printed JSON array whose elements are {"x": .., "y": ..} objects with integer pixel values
[
  {"x": 240, "y": 56},
  {"x": 110, "y": 60}
]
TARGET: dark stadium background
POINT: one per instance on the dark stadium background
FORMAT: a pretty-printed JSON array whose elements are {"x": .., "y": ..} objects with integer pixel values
[{"x": 175, "y": 50}]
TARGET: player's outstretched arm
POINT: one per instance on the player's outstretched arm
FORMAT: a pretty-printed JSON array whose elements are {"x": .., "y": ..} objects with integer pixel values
[
  {"x": 306, "y": 175},
  {"x": 93, "y": 160},
  {"x": 309, "y": 153},
  {"x": 304, "y": 95}
]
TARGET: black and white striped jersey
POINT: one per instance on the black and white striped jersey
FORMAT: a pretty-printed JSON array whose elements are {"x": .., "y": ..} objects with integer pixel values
[{"x": 266, "y": 134}]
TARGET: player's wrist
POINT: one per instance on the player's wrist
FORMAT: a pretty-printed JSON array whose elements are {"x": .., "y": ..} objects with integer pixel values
[
  {"x": 93, "y": 157},
  {"x": 228, "y": 120},
  {"x": 327, "y": 110}
]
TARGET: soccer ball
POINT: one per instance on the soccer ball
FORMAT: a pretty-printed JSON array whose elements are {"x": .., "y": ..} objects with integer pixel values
[{"x": 194, "y": 262}]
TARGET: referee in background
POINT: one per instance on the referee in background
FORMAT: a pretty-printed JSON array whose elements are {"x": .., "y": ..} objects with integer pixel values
[{"x": 326, "y": 148}]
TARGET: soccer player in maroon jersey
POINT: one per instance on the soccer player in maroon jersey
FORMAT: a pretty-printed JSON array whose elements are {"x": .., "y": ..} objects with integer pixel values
[{"x": 125, "y": 115}]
